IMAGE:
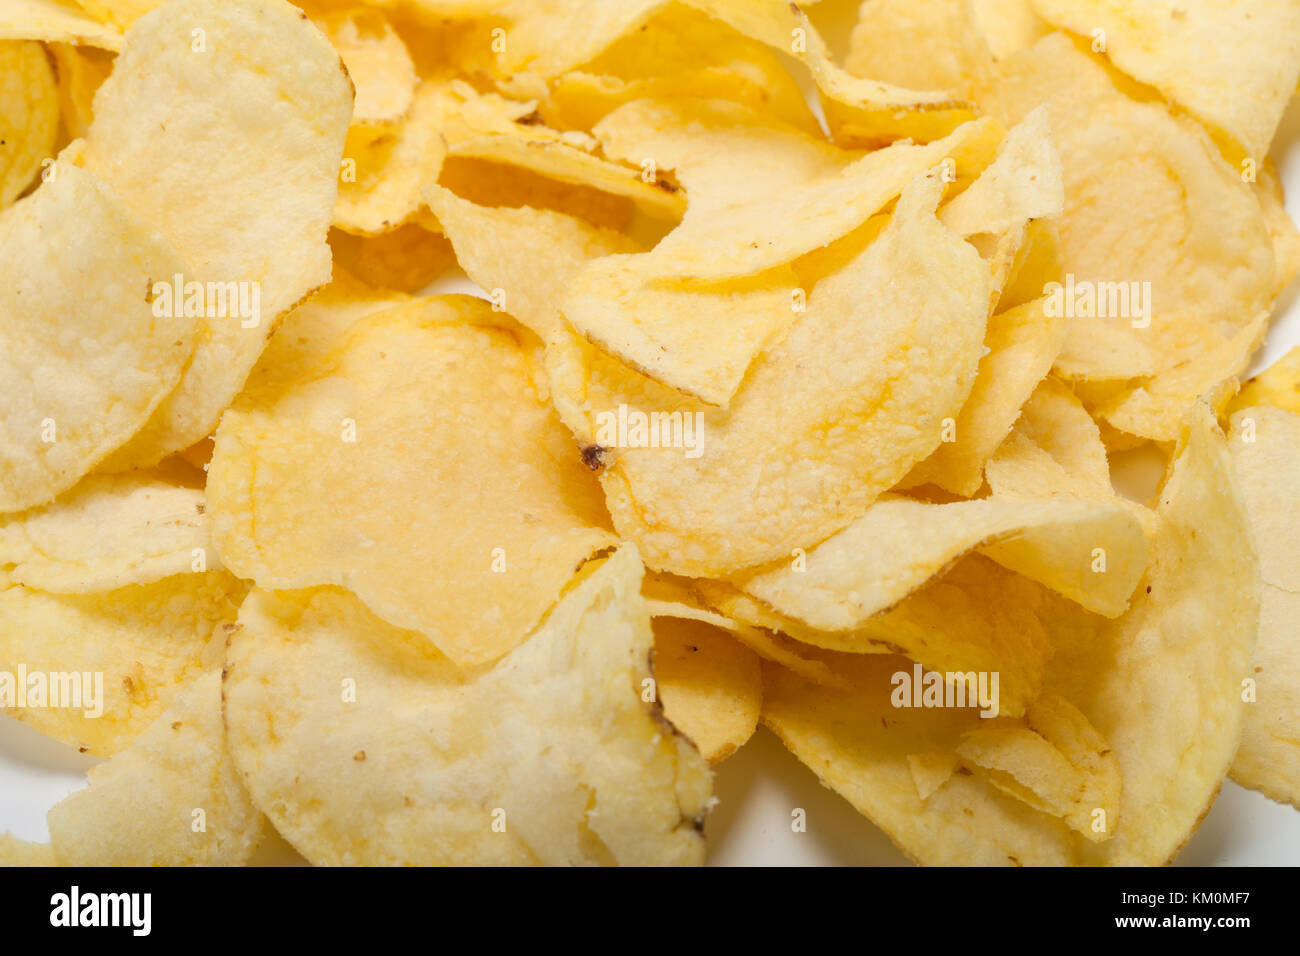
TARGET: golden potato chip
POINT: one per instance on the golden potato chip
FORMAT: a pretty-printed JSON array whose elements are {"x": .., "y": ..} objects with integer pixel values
[
  {"x": 377, "y": 61},
  {"x": 1286, "y": 237},
  {"x": 486, "y": 183},
  {"x": 1020, "y": 345},
  {"x": 84, "y": 355},
  {"x": 246, "y": 194},
  {"x": 886, "y": 350},
  {"x": 172, "y": 798},
  {"x": 1279, "y": 385},
  {"x": 710, "y": 685},
  {"x": 1265, "y": 446},
  {"x": 1164, "y": 250},
  {"x": 435, "y": 404},
  {"x": 16, "y": 852},
  {"x": 1056, "y": 421},
  {"x": 1233, "y": 69},
  {"x": 924, "y": 46},
  {"x": 29, "y": 116},
  {"x": 1008, "y": 25},
  {"x": 406, "y": 259},
  {"x": 56, "y": 21},
  {"x": 1053, "y": 760},
  {"x": 95, "y": 670},
  {"x": 121, "y": 13},
  {"x": 383, "y": 753},
  {"x": 107, "y": 532},
  {"x": 80, "y": 70},
  {"x": 547, "y": 37}
]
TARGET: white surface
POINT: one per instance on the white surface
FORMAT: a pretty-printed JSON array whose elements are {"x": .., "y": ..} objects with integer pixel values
[{"x": 760, "y": 787}]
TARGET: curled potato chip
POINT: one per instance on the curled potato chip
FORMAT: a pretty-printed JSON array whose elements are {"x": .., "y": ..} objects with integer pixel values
[
  {"x": 406, "y": 259},
  {"x": 1279, "y": 385},
  {"x": 143, "y": 806},
  {"x": 1265, "y": 446},
  {"x": 247, "y": 193},
  {"x": 1164, "y": 250},
  {"x": 1053, "y": 760},
  {"x": 29, "y": 115},
  {"x": 710, "y": 684},
  {"x": 434, "y": 403},
  {"x": 57, "y": 21},
  {"x": 1090, "y": 551},
  {"x": 85, "y": 358},
  {"x": 856, "y": 383},
  {"x": 132, "y": 650},
  {"x": 384, "y": 753},
  {"x": 1021, "y": 345},
  {"x": 1234, "y": 70},
  {"x": 1055, "y": 420},
  {"x": 377, "y": 61},
  {"x": 107, "y": 532},
  {"x": 80, "y": 70}
]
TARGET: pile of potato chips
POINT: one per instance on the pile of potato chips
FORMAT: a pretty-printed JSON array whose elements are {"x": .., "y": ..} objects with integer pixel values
[{"x": 803, "y": 362}]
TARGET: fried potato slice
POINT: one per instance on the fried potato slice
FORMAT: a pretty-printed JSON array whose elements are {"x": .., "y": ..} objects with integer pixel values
[
  {"x": 254, "y": 127},
  {"x": 1265, "y": 446},
  {"x": 1279, "y": 385},
  {"x": 172, "y": 798},
  {"x": 1054, "y": 420},
  {"x": 376, "y": 60},
  {"x": 57, "y": 21},
  {"x": 1053, "y": 760},
  {"x": 434, "y": 403},
  {"x": 80, "y": 71},
  {"x": 710, "y": 685},
  {"x": 107, "y": 532},
  {"x": 147, "y": 641},
  {"x": 84, "y": 358},
  {"x": 1232, "y": 68},
  {"x": 1008, "y": 25},
  {"x": 406, "y": 259},
  {"x": 29, "y": 115},
  {"x": 383, "y": 753},
  {"x": 16, "y": 852},
  {"x": 926, "y": 46}
]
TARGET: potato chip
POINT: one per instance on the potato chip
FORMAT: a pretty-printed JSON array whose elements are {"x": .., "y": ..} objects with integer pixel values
[
  {"x": 1089, "y": 551},
  {"x": 1279, "y": 385},
  {"x": 1008, "y": 25},
  {"x": 550, "y": 36},
  {"x": 1285, "y": 235},
  {"x": 856, "y": 383},
  {"x": 126, "y": 653},
  {"x": 80, "y": 70},
  {"x": 1055, "y": 761},
  {"x": 1165, "y": 251},
  {"x": 1021, "y": 345},
  {"x": 1057, "y": 422},
  {"x": 85, "y": 357},
  {"x": 56, "y": 21},
  {"x": 29, "y": 116},
  {"x": 434, "y": 404},
  {"x": 486, "y": 183},
  {"x": 121, "y": 13},
  {"x": 1233, "y": 69},
  {"x": 406, "y": 259},
  {"x": 932, "y": 45},
  {"x": 107, "y": 532},
  {"x": 384, "y": 754},
  {"x": 172, "y": 798},
  {"x": 710, "y": 685},
  {"x": 16, "y": 852},
  {"x": 247, "y": 195},
  {"x": 1265, "y": 446},
  {"x": 377, "y": 61}
]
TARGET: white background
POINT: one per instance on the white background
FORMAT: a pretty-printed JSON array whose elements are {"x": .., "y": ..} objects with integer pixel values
[{"x": 760, "y": 786}]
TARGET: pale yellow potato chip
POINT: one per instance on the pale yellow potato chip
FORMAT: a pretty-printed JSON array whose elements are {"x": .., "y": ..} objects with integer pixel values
[
  {"x": 1233, "y": 65},
  {"x": 1055, "y": 420},
  {"x": 84, "y": 356},
  {"x": 172, "y": 798},
  {"x": 383, "y": 753},
  {"x": 1090, "y": 551},
  {"x": 1053, "y": 760},
  {"x": 548, "y": 37},
  {"x": 128, "y": 652},
  {"x": 56, "y": 21},
  {"x": 695, "y": 337},
  {"x": 107, "y": 532},
  {"x": 435, "y": 404},
  {"x": 1282, "y": 228},
  {"x": 924, "y": 46},
  {"x": 253, "y": 124},
  {"x": 1164, "y": 250},
  {"x": 1008, "y": 25},
  {"x": 710, "y": 685},
  {"x": 29, "y": 116},
  {"x": 930, "y": 771},
  {"x": 1037, "y": 262},
  {"x": 1020, "y": 345},
  {"x": 1279, "y": 385},
  {"x": 1265, "y": 447},
  {"x": 886, "y": 350},
  {"x": 405, "y": 260},
  {"x": 16, "y": 852},
  {"x": 80, "y": 70},
  {"x": 377, "y": 61}
]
